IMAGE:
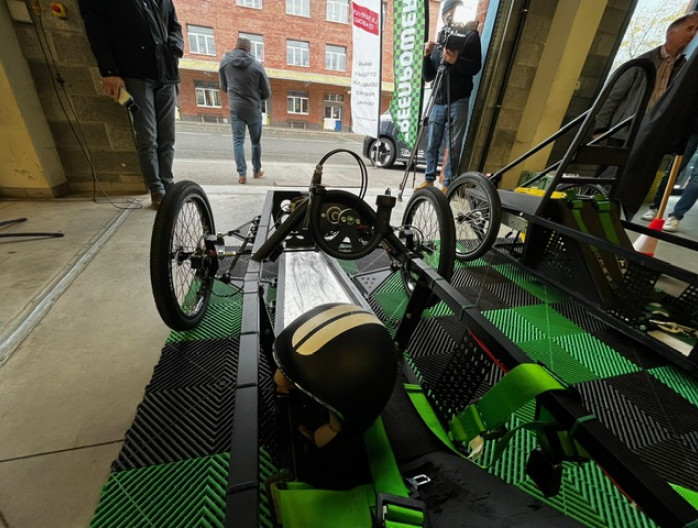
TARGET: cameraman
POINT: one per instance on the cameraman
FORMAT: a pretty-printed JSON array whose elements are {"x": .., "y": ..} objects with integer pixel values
[{"x": 452, "y": 96}]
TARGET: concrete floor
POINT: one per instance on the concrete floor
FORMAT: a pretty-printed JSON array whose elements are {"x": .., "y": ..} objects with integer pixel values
[{"x": 79, "y": 336}]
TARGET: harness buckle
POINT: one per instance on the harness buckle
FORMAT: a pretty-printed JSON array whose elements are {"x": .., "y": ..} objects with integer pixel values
[{"x": 410, "y": 512}]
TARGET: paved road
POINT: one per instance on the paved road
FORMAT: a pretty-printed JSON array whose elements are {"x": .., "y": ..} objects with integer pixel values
[{"x": 204, "y": 154}]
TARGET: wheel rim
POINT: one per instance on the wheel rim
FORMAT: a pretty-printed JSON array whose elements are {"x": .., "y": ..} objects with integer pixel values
[
  {"x": 426, "y": 237},
  {"x": 472, "y": 216},
  {"x": 381, "y": 153},
  {"x": 187, "y": 264}
]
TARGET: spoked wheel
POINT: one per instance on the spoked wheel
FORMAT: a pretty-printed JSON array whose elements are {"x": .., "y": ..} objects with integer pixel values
[
  {"x": 181, "y": 272},
  {"x": 429, "y": 233},
  {"x": 477, "y": 214},
  {"x": 586, "y": 189}
]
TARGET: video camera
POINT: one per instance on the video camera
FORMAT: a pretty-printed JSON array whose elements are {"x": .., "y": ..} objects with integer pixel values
[{"x": 452, "y": 36}]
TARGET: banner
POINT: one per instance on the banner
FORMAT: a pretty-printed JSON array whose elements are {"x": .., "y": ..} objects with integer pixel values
[
  {"x": 410, "y": 22},
  {"x": 366, "y": 66}
]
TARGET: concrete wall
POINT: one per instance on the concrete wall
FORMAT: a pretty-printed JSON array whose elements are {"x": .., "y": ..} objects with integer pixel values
[{"x": 92, "y": 134}]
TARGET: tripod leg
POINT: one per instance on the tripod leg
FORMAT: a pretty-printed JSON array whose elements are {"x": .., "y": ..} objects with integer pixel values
[
  {"x": 436, "y": 84},
  {"x": 15, "y": 221}
]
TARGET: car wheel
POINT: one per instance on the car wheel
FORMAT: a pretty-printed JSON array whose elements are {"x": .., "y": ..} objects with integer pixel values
[{"x": 382, "y": 153}]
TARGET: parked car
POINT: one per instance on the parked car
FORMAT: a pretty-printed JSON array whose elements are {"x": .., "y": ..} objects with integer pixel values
[{"x": 386, "y": 150}]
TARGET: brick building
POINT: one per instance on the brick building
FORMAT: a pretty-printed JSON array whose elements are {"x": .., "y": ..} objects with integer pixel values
[{"x": 306, "y": 49}]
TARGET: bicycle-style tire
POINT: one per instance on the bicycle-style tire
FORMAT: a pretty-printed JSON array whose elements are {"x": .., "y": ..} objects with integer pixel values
[
  {"x": 428, "y": 216},
  {"x": 477, "y": 214},
  {"x": 181, "y": 274}
]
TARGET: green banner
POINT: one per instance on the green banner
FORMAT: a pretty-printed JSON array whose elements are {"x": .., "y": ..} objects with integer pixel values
[{"x": 410, "y": 22}]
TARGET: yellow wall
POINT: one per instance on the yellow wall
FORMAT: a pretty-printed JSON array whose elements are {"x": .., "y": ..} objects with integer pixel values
[
  {"x": 29, "y": 163},
  {"x": 573, "y": 29}
]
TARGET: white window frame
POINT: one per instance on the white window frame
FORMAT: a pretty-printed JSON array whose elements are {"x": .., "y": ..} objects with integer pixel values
[
  {"x": 208, "y": 93},
  {"x": 204, "y": 41},
  {"x": 298, "y": 53},
  {"x": 254, "y": 4},
  {"x": 295, "y": 98},
  {"x": 335, "y": 57},
  {"x": 257, "y": 42},
  {"x": 338, "y": 11},
  {"x": 298, "y": 8}
]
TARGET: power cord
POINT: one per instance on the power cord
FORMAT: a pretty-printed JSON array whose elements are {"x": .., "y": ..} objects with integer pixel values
[{"x": 57, "y": 80}]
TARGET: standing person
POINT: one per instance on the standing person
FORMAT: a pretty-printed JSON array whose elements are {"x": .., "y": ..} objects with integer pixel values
[
  {"x": 243, "y": 78},
  {"x": 461, "y": 65},
  {"x": 137, "y": 45},
  {"x": 668, "y": 59},
  {"x": 689, "y": 196}
]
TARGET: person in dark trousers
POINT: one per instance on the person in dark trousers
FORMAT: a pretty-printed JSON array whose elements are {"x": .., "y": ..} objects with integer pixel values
[
  {"x": 137, "y": 45},
  {"x": 245, "y": 81},
  {"x": 461, "y": 66}
]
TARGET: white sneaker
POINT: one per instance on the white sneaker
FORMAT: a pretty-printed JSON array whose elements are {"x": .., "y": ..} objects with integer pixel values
[
  {"x": 650, "y": 215},
  {"x": 671, "y": 225}
]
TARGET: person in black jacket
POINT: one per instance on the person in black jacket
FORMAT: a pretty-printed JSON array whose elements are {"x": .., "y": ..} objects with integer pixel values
[
  {"x": 452, "y": 97},
  {"x": 137, "y": 45}
]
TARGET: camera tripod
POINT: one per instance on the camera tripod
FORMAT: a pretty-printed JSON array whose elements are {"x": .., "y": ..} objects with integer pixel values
[
  {"x": 441, "y": 72},
  {"x": 19, "y": 220}
]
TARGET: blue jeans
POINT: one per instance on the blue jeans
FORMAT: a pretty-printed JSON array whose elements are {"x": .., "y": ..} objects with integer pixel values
[
  {"x": 239, "y": 124},
  {"x": 154, "y": 126},
  {"x": 690, "y": 193},
  {"x": 437, "y": 127}
]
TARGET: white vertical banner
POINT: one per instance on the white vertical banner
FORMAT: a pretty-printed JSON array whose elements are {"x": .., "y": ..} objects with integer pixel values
[{"x": 366, "y": 66}]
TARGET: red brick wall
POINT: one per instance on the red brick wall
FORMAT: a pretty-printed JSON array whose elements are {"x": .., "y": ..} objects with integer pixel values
[{"x": 228, "y": 19}]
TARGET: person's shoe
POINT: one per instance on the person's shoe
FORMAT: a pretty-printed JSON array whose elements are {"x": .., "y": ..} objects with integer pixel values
[
  {"x": 156, "y": 200},
  {"x": 242, "y": 180},
  {"x": 259, "y": 173},
  {"x": 650, "y": 215},
  {"x": 444, "y": 189},
  {"x": 671, "y": 225},
  {"x": 424, "y": 184}
]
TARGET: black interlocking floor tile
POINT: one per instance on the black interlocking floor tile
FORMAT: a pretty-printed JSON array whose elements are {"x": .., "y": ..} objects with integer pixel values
[
  {"x": 627, "y": 421},
  {"x": 676, "y": 460},
  {"x": 487, "y": 275},
  {"x": 430, "y": 338},
  {"x": 179, "y": 424},
  {"x": 192, "y": 363},
  {"x": 641, "y": 355},
  {"x": 482, "y": 298},
  {"x": 512, "y": 295},
  {"x": 657, "y": 400},
  {"x": 579, "y": 314}
]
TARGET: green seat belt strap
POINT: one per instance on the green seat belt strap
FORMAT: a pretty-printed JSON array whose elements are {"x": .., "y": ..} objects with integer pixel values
[
  {"x": 305, "y": 507},
  {"x": 603, "y": 206},
  {"x": 393, "y": 505},
  {"x": 516, "y": 388}
]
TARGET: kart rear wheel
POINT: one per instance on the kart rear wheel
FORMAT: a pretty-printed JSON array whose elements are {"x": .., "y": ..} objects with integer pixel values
[
  {"x": 427, "y": 218},
  {"x": 477, "y": 214},
  {"x": 181, "y": 271}
]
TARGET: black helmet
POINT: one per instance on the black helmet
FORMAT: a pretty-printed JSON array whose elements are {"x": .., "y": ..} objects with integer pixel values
[{"x": 342, "y": 357}]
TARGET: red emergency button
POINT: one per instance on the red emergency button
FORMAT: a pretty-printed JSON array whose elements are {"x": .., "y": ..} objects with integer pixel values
[{"x": 58, "y": 9}]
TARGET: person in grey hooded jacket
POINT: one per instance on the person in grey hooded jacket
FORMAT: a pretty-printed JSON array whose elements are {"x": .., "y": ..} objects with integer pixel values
[{"x": 243, "y": 78}]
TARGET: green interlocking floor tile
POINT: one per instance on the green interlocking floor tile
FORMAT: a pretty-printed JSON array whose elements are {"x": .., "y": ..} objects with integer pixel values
[
  {"x": 513, "y": 325},
  {"x": 177, "y": 495},
  {"x": 470, "y": 263},
  {"x": 596, "y": 356},
  {"x": 689, "y": 495},
  {"x": 350, "y": 267},
  {"x": 682, "y": 383},
  {"x": 222, "y": 319},
  {"x": 558, "y": 360},
  {"x": 547, "y": 320},
  {"x": 546, "y": 293}
]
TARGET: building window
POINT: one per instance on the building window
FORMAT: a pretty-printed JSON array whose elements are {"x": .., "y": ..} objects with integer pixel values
[
  {"x": 335, "y": 58},
  {"x": 338, "y": 11},
  {"x": 257, "y": 45},
  {"x": 297, "y": 102},
  {"x": 297, "y": 53},
  {"x": 255, "y": 4},
  {"x": 207, "y": 94},
  {"x": 201, "y": 40},
  {"x": 298, "y": 7}
]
